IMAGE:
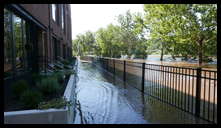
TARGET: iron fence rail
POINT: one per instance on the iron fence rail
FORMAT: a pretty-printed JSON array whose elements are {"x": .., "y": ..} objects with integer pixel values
[{"x": 193, "y": 90}]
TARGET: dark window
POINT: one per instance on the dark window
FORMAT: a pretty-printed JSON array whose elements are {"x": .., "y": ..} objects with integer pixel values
[
  {"x": 14, "y": 42},
  {"x": 19, "y": 40},
  {"x": 7, "y": 43}
]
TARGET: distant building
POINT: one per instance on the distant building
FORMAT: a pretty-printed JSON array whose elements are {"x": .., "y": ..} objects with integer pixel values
[{"x": 35, "y": 35}]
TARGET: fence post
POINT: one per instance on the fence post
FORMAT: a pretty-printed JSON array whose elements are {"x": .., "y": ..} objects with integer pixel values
[
  {"x": 114, "y": 66},
  {"x": 198, "y": 92},
  {"x": 143, "y": 76},
  {"x": 124, "y": 70}
]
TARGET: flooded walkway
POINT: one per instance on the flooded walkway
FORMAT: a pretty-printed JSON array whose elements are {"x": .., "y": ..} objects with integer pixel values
[{"x": 104, "y": 99}]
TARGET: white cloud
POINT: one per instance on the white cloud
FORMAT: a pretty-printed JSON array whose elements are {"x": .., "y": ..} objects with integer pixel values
[{"x": 94, "y": 16}]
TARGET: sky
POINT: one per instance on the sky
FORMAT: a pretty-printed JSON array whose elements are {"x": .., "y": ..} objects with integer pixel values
[{"x": 94, "y": 16}]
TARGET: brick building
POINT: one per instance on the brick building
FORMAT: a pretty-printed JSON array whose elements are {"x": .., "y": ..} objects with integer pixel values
[{"x": 35, "y": 35}]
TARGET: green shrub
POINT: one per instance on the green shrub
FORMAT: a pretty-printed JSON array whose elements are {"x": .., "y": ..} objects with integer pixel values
[
  {"x": 19, "y": 87},
  {"x": 36, "y": 76},
  {"x": 59, "y": 76},
  {"x": 67, "y": 66},
  {"x": 54, "y": 103},
  {"x": 31, "y": 99},
  {"x": 65, "y": 62},
  {"x": 49, "y": 85}
]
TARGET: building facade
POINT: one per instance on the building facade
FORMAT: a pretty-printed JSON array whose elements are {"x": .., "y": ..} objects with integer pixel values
[{"x": 35, "y": 35}]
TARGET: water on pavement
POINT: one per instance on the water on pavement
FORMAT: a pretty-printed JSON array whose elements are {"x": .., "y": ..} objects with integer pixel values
[{"x": 105, "y": 99}]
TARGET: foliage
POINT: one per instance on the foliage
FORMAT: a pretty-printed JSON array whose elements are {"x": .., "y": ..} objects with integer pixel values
[
  {"x": 54, "y": 103},
  {"x": 84, "y": 44},
  {"x": 59, "y": 76},
  {"x": 186, "y": 30},
  {"x": 49, "y": 85},
  {"x": 183, "y": 29},
  {"x": 66, "y": 62},
  {"x": 30, "y": 98},
  {"x": 19, "y": 87},
  {"x": 36, "y": 77}
]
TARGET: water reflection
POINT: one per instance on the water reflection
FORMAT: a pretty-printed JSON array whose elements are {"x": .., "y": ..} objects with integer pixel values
[{"x": 100, "y": 102}]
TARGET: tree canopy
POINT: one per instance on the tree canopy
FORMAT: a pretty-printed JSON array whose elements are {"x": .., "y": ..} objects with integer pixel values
[{"x": 186, "y": 30}]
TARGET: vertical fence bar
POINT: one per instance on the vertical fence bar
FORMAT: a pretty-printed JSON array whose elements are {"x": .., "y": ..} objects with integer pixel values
[
  {"x": 171, "y": 93},
  {"x": 151, "y": 74},
  {"x": 182, "y": 90},
  {"x": 189, "y": 92},
  {"x": 156, "y": 89},
  {"x": 161, "y": 83},
  {"x": 214, "y": 94},
  {"x": 165, "y": 86},
  {"x": 185, "y": 84},
  {"x": 114, "y": 66},
  {"x": 209, "y": 96},
  {"x": 179, "y": 88},
  {"x": 166, "y": 82},
  {"x": 148, "y": 78},
  {"x": 173, "y": 100},
  {"x": 124, "y": 76},
  {"x": 204, "y": 95},
  {"x": 143, "y": 76},
  {"x": 168, "y": 86},
  {"x": 192, "y": 88},
  {"x": 198, "y": 92},
  {"x": 158, "y": 81},
  {"x": 154, "y": 81},
  {"x": 176, "y": 87}
]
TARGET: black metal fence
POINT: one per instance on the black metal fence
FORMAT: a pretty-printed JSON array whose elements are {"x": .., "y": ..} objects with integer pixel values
[{"x": 193, "y": 90}]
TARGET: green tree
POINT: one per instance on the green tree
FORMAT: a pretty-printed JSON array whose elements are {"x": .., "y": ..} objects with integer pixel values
[
  {"x": 184, "y": 29},
  {"x": 84, "y": 44},
  {"x": 109, "y": 40}
]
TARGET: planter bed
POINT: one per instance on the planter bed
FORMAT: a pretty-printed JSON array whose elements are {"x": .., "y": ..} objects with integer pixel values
[
  {"x": 48, "y": 116},
  {"x": 51, "y": 115}
]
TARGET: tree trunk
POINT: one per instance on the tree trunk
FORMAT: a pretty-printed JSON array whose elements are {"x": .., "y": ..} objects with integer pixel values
[
  {"x": 173, "y": 56},
  {"x": 200, "y": 51},
  {"x": 161, "y": 55}
]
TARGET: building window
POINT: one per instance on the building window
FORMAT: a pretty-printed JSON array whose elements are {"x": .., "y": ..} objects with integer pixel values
[
  {"x": 54, "y": 9},
  {"x": 19, "y": 36},
  {"x": 14, "y": 41},
  {"x": 62, "y": 16},
  {"x": 7, "y": 43}
]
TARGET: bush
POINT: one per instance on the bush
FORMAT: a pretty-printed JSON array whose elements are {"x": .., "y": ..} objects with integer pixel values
[
  {"x": 67, "y": 67},
  {"x": 19, "y": 87},
  {"x": 54, "y": 103},
  {"x": 30, "y": 98},
  {"x": 36, "y": 76},
  {"x": 49, "y": 85},
  {"x": 65, "y": 62},
  {"x": 59, "y": 76}
]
